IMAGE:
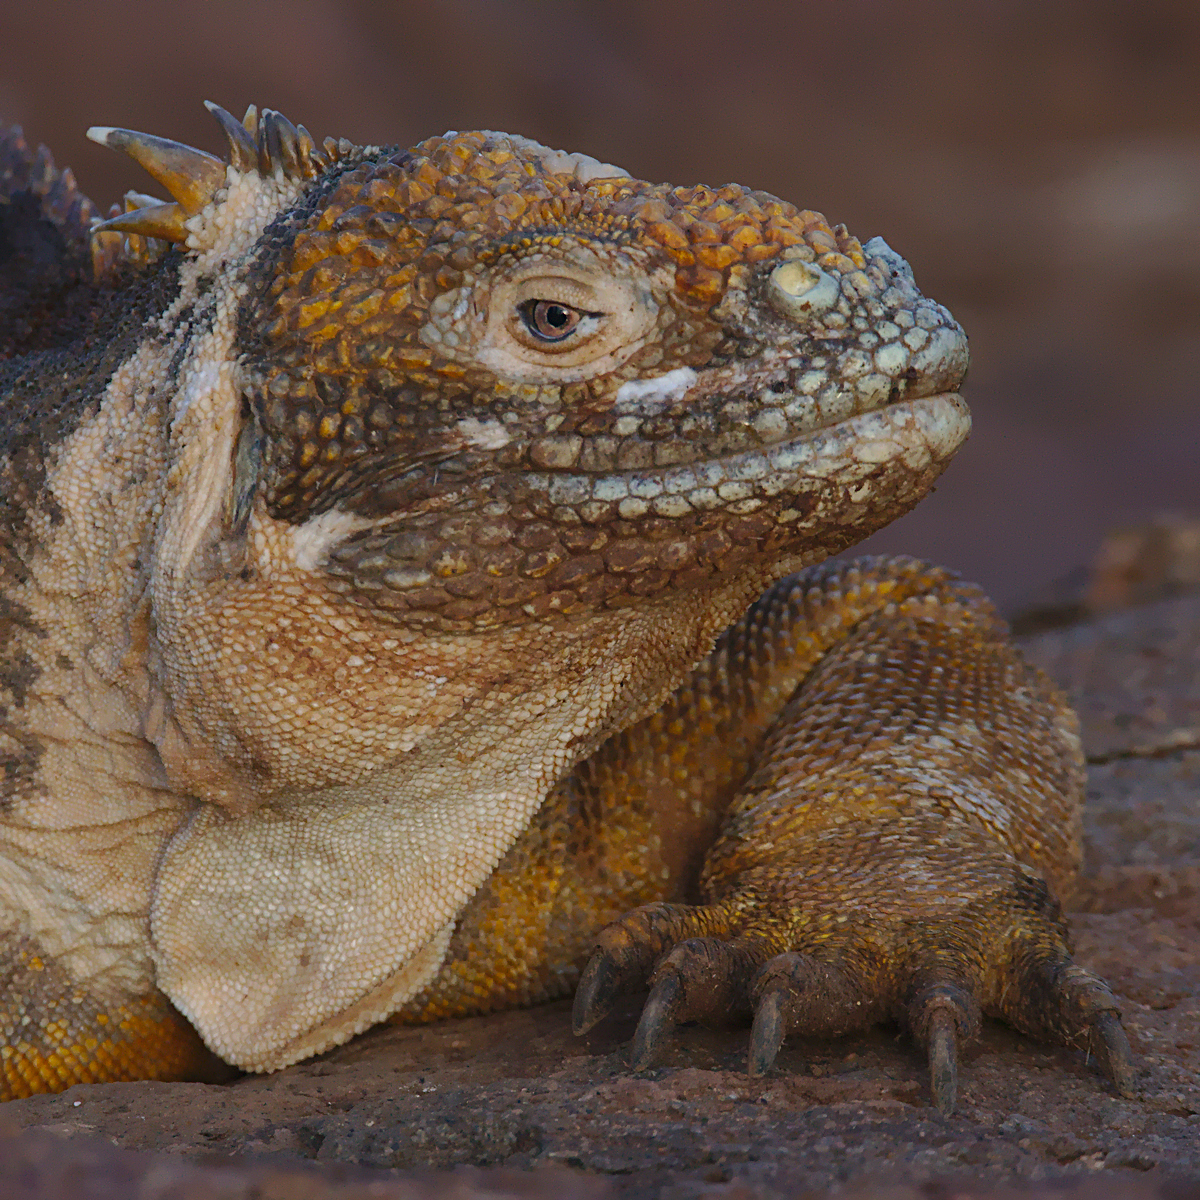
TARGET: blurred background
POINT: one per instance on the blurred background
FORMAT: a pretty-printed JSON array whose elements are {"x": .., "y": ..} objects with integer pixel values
[{"x": 1038, "y": 161}]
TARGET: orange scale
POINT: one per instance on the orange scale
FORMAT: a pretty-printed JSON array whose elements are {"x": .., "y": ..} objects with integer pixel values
[{"x": 745, "y": 236}]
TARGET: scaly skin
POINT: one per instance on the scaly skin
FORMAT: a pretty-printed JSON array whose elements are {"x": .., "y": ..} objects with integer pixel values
[{"x": 364, "y": 553}]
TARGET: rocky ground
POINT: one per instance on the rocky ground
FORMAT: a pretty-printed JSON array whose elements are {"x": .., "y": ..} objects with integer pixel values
[{"x": 531, "y": 1111}]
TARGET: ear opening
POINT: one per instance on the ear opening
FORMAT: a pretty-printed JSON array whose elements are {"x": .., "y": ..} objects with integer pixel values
[{"x": 247, "y": 469}]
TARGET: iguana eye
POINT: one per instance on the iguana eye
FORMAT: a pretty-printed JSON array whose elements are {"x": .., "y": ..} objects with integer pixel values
[
  {"x": 546, "y": 319},
  {"x": 550, "y": 321}
]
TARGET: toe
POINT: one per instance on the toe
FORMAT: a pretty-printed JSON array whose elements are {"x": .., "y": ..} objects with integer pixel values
[
  {"x": 797, "y": 991},
  {"x": 1111, "y": 1048},
  {"x": 942, "y": 1014},
  {"x": 767, "y": 1032},
  {"x": 660, "y": 1013},
  {"x": 625, "y": 954},
  {"x": 943, "y": 1061},
  {"x": 701, "y": 979},
  {"x": 599, "y": 986},
  {"x": 1062, "y": 1002}
]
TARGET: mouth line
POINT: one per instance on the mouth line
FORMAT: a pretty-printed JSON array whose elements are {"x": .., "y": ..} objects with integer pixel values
[
  {"x": 777, "y": 410},
  {"x": 914, "y": 432}
]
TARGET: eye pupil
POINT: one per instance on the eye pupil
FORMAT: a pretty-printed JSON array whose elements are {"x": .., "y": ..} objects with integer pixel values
[{"x": 549, "y": 321}]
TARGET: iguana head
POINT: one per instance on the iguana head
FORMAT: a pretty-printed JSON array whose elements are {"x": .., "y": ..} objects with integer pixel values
[{"x": 485, "y": 382}]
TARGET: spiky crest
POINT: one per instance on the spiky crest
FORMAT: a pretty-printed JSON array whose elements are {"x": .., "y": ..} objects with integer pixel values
[{"x": 267, "y": 143}]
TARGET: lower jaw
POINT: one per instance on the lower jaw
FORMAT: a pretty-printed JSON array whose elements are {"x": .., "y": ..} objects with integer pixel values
[
  {"x": 733, "y": 525},
  {"x": 822, "y": 494}
]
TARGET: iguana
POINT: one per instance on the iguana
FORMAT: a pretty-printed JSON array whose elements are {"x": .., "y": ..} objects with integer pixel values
[{"x": 411, "y": 606}]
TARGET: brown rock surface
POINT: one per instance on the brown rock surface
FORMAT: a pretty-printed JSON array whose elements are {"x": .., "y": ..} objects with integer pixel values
[{"x": 515, "y": 1090}]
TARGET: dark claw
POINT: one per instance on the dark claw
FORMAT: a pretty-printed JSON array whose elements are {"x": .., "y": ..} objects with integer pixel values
[
  {"x": 665, "y": 999},
  {"x": 943, "y": 1064},
  {"x": 596, "y": 993},
  {"x": 766, "y": 1035},
  {"x": 1112, "y": 1049}
]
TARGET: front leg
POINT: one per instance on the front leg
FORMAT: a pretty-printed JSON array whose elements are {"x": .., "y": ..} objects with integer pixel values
[
  {"x": 634, "y": 823},
  {"x": 896, "y": 849}
]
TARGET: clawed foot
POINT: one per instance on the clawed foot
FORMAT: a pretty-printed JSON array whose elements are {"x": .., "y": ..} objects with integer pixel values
[{"x": 705, "y": 964}]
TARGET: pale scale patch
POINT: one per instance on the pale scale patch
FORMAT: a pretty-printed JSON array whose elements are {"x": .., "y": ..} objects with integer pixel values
[
  {"x": 313, "y": 540},
  {"x": 486, "y": 434},
  {"x": 583, "y": 167},
  {"x": 230, "y": 225},
  {"x": 653, "y": 395},
  {"x": 82, "y": 892}
]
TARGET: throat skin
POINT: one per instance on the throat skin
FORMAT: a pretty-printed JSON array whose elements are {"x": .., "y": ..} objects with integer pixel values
[{"x": 378, "y": 866}]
